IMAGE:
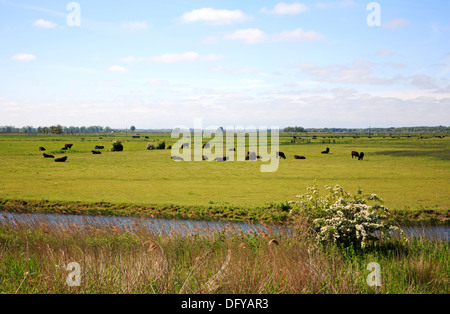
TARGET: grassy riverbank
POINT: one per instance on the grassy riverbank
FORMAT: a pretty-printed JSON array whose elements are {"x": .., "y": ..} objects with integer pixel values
[{"x": 34, "y": 260}]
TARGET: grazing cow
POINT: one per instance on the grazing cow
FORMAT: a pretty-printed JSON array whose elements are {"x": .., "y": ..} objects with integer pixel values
[
  {"x": 96, "y": 152},
  {"x": 222, "y": 159},
  {"x": 62, "y": 159},
  {"x": 176, "y": 158},
  {"x": 41, "y": 149},
  {"x": 355, "y": 154},
  {"x": 361, "y": 156},
  {"x": 99, "y": 147},
  {"x": 68, "y": 146},
  {"x": 281, "y": 154},
  {"x": 299, "y": 157},
  {"x": 48, "y": 156},
  {"x": 326, "y": 151}
]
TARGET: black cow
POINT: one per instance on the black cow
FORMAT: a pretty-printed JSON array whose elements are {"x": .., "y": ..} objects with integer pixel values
[
  {"x": 177, "y": 158},
  {"x": 41, "y": 149},
  {"x": 222, "y": 158},
  {"x": 96, "y": 152},
  {"x": 62, "y": 159},
  {"x": 48, "y": 156},
  {"x": 326, "y": 151},
  {"x": 99, "y": 147},
  {"x": 361, "y": 156},
  {"x": 185, "y": 145},
  {"x": 355, "y": 154},
  {"x": 281, "y": 154},
  {"x": 68, "y": 146},
  {"x": 299, "y": 157}
]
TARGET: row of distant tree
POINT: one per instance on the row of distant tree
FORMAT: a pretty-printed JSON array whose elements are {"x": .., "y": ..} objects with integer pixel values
[
  {"x": 419, "y": 129},
  {"x": 59, "y": 129}
]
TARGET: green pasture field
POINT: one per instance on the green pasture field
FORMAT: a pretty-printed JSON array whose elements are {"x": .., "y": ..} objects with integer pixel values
[{"x": 407, "y": 173}]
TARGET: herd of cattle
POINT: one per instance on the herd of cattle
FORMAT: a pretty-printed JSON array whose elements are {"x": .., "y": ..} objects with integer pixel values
[
  {"x": 250, "y": 155},
  {"x": 67, "y": 147}
]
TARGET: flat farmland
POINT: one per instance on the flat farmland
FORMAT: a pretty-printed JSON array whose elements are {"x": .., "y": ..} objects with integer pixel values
[{"x": 408, "y": 173}]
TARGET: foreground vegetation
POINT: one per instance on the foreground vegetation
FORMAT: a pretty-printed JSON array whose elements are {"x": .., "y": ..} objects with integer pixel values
[{"x": 34, "y": 260}]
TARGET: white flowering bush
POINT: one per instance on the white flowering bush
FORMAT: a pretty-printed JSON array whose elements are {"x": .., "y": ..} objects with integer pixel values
[{"x": 342, "y": 218}]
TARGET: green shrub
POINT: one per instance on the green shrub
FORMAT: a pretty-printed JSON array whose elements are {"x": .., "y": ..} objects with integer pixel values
[
  {"x": 161, "y": 145},
  {"x": 117, "y": 146}
]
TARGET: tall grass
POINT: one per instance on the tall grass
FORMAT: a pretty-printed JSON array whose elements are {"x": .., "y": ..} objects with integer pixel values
[{"x": 33, "y": 259}]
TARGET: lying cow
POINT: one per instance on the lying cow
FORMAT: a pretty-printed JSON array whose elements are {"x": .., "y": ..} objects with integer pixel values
[
  {"x": 42, "y": 149},
  {"x": 96, "y": 152},
  {"x": 222, "y": 158},
  {"x": 99, "y": 147},
  {"x": 176, "y": 158},
  {"x": 48, "y": 156},
  {"x": 299, "y": 157},
  {"x": 326, "y": 151},
  {"x": 62, "y": 159}
]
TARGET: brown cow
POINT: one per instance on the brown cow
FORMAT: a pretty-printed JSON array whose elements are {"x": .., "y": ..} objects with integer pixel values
[{"x": 355, "y": 154}]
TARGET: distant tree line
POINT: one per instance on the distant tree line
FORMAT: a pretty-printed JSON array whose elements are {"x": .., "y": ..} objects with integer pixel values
[
  {"x": 297, "y": 129},
  {"x": 55, "y": 129},
  {"x": 391, "y": 130}
]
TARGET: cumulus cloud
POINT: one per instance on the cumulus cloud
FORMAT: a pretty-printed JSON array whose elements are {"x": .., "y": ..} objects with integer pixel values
[
  {"x": 286, "y": 9},
  {"x": 23, "y": 57},
  {"x": 214, "y": 16},
  {"x": 117, "y": 69},
  {"x": 255, "y": 35},
  {"x": 44, "y": 24}
]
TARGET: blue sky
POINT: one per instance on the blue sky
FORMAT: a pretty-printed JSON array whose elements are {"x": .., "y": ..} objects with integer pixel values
[{"x": 162, "y": 64}]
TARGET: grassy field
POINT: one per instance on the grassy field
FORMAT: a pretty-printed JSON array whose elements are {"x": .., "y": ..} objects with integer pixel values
[{"x": 408, "y": 173}]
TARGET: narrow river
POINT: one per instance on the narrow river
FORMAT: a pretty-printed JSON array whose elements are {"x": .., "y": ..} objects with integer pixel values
[{"x": 179, "y": 227}]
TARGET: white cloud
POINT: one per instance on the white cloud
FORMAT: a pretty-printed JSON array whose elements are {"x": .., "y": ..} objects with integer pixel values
[
  {"x": 299, "y": 35},
  {"x": 249, "y": 36},
  {"x": 23, "y": 57},
  {"x": 214, "y": 16},
  {"x": 135, "y": 25},
  {"x": 44, "y": 24},
  {"x": 255, "y": 35},
  {"x": 397, "y": 23},
  {"x": 117, "y": 69},
  {"x": 286, "y": 9},
  {"x": 174, "y": 57}
]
